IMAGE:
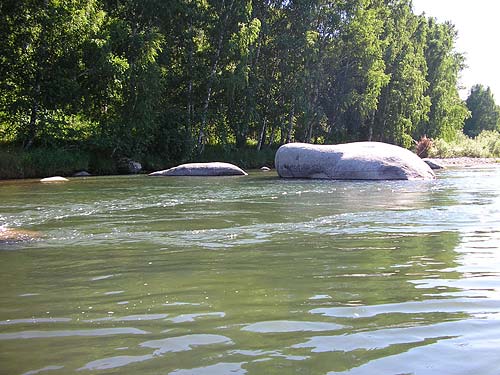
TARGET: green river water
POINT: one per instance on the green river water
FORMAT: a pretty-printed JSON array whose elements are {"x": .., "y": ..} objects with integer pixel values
[{"x": 252, "y": 275}]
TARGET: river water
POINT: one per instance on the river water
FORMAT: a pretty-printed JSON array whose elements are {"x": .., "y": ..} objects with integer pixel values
[{"x": 252, "y": 275}]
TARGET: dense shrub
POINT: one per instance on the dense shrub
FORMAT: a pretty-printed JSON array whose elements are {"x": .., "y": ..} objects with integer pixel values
[{"x": 485, "y": 145}]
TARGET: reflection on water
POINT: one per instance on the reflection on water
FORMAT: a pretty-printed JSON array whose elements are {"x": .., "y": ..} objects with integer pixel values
[
  {"x": 252, "y": 275},
  {"x": 290, "y": 326},
  {"x": 71, "y": 333}
]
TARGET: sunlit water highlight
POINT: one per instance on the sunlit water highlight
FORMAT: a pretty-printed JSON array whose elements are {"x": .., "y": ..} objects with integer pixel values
[{"x": 252, "y": 275}]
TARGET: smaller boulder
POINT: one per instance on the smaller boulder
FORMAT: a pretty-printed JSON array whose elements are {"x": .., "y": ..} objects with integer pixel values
[
  {"x": 134, "y": 167},
  {"x": 54, "y": 179},
  {"x": 265, "y": 169},
  {"x": 11, "y": 235},
  {"x": 129, "y": 166},
  {"x": 433, "y": 164},
  {"x": 82, "y": 174},
  {"x": 202, "y": 169}
]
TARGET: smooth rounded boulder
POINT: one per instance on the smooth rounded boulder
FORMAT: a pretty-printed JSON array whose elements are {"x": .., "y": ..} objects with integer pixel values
[
  {"x": 350, "y": 161},
  {"x": 202, "y": 169},
  {"x": 54, "y": 179}
]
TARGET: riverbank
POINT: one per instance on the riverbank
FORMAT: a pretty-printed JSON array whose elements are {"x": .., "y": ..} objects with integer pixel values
[{"x": 42, "y": 162}]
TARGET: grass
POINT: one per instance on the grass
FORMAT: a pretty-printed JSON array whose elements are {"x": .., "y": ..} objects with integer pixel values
[
  {"x": 485, "y": 145},
  {"x": 44, "y": 161},
  {"x": 41, "y": 162}
]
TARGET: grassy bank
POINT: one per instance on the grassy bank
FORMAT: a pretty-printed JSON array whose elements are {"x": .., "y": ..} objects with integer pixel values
[{"x": 42, "y": 162}]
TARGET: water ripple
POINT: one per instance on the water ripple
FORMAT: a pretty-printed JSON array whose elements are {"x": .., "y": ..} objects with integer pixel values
[
  {"x": 34, "y": 321},
  {"x": 72, "y": 333},
  {"x": 460, "y": 305},
  {"x": 184, "y": 343},
  {"x": 280, "y": 326},
  {"x": 222, "y": 368}
]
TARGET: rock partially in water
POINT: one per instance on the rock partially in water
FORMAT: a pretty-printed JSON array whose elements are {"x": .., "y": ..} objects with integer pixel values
[
  {"x": 351, "y": 161},
  {"x": 129, "y": 166},
  {"x": 82, "y": 174},
  {"x": 54, "y": 179},
  {"x": 202, "y": 169},
  {"x": 12, "y": 235},
  {"x": 433, "y": 164},
  {"x": 265, "y": 169}
]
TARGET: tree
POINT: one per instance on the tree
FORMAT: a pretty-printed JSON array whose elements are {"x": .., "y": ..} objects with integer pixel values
[
  {"x": 135, "y": 39},
  {"x": 166, "y": 77},
  {"x": 447, "y": 112},
  {"x": 403, "y": 103},
  {"x": 41, "y": 53},
  {"x": 357, "y": 72},
  {"x": 485, "y": 113}
]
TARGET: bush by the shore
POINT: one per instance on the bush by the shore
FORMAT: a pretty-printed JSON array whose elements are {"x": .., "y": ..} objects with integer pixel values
[
  {"x": 485, "y": 145},
  {"x": 41, "y": 162}
]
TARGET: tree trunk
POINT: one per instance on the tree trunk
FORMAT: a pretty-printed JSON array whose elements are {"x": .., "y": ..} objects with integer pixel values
[
  {"x": 309, "y": 130},
  {"x": 262, "y": 134},
  {"x": 331, "y": 123},
  {"x": 241, "y": 136},
  {"x": 273, "y": 134},
  {"x": 33, "y": 116},
  {"x": 290, "y": 125},
  {"x": 190, "y": 105},
  {"x": 370, "y": 126}
]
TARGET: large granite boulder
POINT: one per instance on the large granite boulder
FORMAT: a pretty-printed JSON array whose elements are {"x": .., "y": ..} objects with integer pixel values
[
  {"x": 350, "y": 161},
  {"x": 202, "y": 169}
]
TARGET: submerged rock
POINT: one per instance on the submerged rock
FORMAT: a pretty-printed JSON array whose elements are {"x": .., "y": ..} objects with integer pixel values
[
  {"x": 202, "y": 169},
  {"x": 11, "y": 235},
  {"x": 350, "y": 161},
  {"x": 54, "y": 179}
]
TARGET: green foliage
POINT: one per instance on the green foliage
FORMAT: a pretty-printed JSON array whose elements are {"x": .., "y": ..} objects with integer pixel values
[
  {"x": 404, "y": 102},
  {"x": 485, "y": 113},
  {"x": 485, "y": 145},
  {"x": 159, "y": 80},
  {"x": 447, "y": 112},
  {"x": 41, "y": 54}
]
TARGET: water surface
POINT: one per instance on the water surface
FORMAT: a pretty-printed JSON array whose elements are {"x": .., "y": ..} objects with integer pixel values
[{"x": 252, "y": 275}]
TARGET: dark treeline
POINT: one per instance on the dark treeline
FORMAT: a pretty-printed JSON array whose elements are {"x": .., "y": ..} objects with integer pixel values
[{"x": 167, "y": 77}]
